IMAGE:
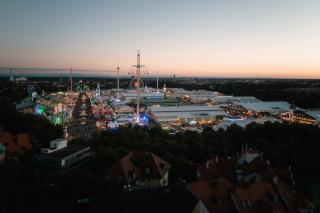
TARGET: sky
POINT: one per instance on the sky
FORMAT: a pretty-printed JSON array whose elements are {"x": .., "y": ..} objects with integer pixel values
[{"x": 216, "y": 38}]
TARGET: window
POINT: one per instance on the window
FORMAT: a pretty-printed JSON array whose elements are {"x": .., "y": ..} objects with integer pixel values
[
  {"x": 147, "y": 171},
  {"x": 131, "y": 174},
  {"x": 219, "y": 202},
  {"x": 162, "y": 165},
  {"x": 245, "y": 204},
  {"x": 275, "y": 199}
]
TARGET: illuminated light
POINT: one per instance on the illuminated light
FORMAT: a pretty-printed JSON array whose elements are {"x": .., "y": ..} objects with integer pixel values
[
  {"x": 193, "y": 122},
  {"x": 58, "y": 121},
  {"x": 142, "y": 120},
  {"x": 39, "y": 109},
  {"x": 113, "y": 126}
]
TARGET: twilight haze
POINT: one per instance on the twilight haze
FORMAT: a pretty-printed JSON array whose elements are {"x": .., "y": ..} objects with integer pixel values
[{"x": 217, "y": 38}]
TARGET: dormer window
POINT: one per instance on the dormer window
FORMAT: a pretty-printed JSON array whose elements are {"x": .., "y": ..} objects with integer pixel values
[
  {"x": 275, "y": 199},
  {"x": 131, "y": 174},
  {"x": 217, "y": 200},
  {"x": 162, "y": 165},
  {"x": 246, "y": 204},
  {"x": 147, "y": 171}
]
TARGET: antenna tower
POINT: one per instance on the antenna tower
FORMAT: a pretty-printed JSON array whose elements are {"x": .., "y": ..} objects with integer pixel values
[
  {"x": 137, "y": 84},
  {"x": 118, "y": 82}
]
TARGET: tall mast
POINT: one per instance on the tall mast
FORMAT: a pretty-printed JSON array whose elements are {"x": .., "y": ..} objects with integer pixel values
[
  {"x": 118, "y": 82},
  {"x": 11, "y": 78},
  {"x": 71, "y": 79},
  {"x": 98, "y": 92},
  {"x": 157, "y": 82},
  {"x": 137, "y": 84}
]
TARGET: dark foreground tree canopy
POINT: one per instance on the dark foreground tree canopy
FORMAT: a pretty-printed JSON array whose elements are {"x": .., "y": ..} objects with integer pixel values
[{"x": 280, "y": 143}]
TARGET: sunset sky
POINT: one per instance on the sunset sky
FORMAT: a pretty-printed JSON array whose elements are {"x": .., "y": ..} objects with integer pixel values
[{"x": 217, "y": 38}]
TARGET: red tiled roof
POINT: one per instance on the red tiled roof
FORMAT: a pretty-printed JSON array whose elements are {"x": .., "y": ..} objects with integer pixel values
[
  {"x": 268, "y": 172},
  {"x": 256, "y": 165},
  {"x": 23, "y": 142},
  {"x": 141, "y": 164},
  {"x": 15, "y": 144},
  {"x": 223, "y": 168},
  {"x": 258, "y": 193},
  {"x": 210, "y": 191},
  {"x": 302, "y": 202},
  {"x": 285, "y": 175},
  {"x": 287, "y": 195}
]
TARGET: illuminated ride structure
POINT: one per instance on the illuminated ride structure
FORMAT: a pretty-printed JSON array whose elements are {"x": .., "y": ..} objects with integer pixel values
[
  {"x": 81, "y": 87},
  {"x": 136, "y": 83},
  {"x": 98, "y": 93},
  {"x": 39, "y": 109}
]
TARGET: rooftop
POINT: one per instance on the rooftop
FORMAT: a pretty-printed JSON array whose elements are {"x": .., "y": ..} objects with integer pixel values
[
  {"x": 267, "y": 106},
  {"x": 139, "y": 164},
  {"x": 60, "y": 154}
]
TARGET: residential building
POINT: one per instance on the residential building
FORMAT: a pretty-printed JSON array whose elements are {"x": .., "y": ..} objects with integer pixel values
[
  {"x": 246, "y": 184},
  {"x": 2, "y": 152},
  {"x": 15, "y": 145},
  {"x": 55, "y": 145},
  {"x": 139, "y": 170}
]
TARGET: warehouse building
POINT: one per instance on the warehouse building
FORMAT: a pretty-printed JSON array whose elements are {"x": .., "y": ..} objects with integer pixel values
[
  {"x": 62, "y": 156},
  {"x": 271, "y": 107},
  {"x": 301, "y": 117},
  {"x": 187, "y": 113}
]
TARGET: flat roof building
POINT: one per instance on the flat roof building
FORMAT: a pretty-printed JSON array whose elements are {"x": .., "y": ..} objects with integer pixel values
[
  {"x": 268, "y": 106},
  {"x": 187, "y": 112},
  {"x": 244, "y": 122},
  {"x": 229, "y": 99},
  {"x": 62, "y": 158},
  {"x": 131, "y": 94}
]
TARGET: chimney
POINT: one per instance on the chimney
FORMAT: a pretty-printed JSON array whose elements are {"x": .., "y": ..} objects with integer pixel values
[
  {"x": 198, "y": 173},
  {"x": 275, "y": 180},
  {"x": 268, "y": 162}
]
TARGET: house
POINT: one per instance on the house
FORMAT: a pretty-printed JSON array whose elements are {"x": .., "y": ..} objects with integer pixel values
[
  {"x": 246, "y": 184},
  {"x": 141, "y": 169},
  {"x": 15, "y": 145},
  {"x": 26, "y": 106},
  {"x": 2, "y": 152},
  {"x": 216, "y": 168},
  {"x": 213, "y": 195}
]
